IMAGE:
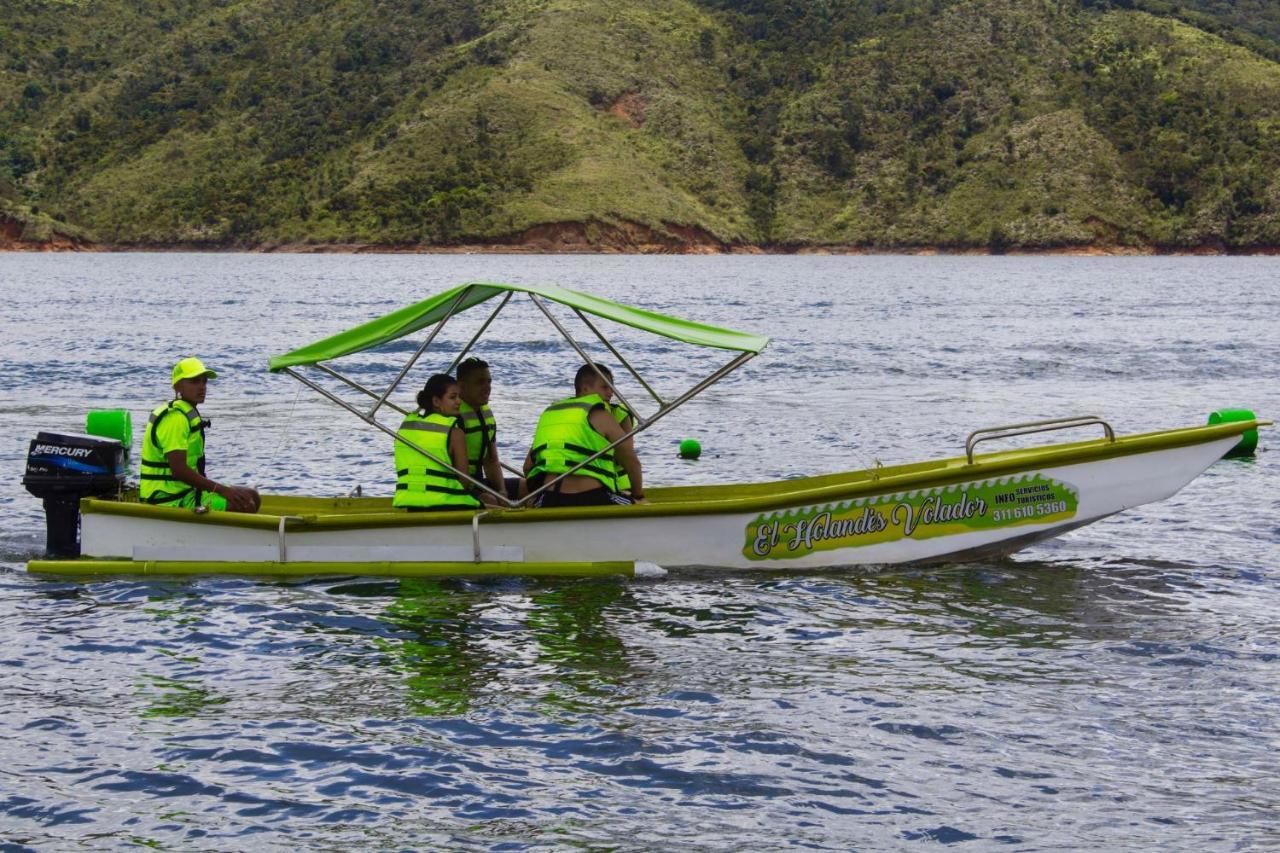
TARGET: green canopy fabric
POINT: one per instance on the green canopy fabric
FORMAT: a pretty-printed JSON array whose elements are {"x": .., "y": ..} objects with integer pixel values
[{"x": 415, "y": 317}]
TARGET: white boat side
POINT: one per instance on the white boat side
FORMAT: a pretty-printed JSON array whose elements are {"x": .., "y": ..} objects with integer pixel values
[{"x": 985, "y": 514}]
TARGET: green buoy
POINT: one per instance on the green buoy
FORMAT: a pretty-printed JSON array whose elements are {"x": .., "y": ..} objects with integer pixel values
[
  {"x": 690, "y": 449},
  {"x": 1248, "y": 440}
]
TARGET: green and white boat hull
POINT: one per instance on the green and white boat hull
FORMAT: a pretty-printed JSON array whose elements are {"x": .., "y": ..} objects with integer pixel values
[{"x": 931, "y": 511}]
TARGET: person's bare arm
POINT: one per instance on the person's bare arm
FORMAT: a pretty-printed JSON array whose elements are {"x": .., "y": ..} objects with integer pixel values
[
  {"x": 607, "y": 425},
  {"x": 239, "y": 498},
  {"x": 457, "y": 449},
  {"x": 493, "y": 469},
  {"x": 458, "y": 457}
]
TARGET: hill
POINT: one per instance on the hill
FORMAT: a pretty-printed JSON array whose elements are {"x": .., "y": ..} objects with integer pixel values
[{"x": 666, "y": 124}]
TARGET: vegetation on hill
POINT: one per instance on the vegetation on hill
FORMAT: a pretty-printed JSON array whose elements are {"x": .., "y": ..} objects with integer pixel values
[
  {"x": 1252, "y": 23},
  {"x": 960, "y": 123}
]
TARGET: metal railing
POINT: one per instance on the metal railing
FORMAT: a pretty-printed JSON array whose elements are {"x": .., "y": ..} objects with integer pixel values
[{"x": 992, "y": 433}]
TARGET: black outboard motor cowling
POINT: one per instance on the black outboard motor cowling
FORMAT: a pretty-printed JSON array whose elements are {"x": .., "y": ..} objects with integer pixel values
[{"x": 62, "y": 469}]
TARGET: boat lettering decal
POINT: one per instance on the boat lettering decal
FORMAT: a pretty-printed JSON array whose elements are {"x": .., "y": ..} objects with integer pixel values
[{"x": 925, "y": 514}]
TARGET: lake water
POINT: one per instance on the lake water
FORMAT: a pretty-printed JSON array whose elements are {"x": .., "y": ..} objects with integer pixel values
[{"x": 1118, "y": 688}]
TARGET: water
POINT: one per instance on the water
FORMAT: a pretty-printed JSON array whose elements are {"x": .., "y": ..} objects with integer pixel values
[{"x": 1112, "y": 689}]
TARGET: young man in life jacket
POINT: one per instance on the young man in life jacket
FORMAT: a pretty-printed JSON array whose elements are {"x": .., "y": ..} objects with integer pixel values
[
  {"x": 479, "y": 427},
  {"x": 571, "y": 431},
  {"x": 173, "y": 451}
]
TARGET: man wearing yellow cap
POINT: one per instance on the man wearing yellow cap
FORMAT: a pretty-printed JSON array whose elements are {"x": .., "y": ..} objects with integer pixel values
[{"x": 173, "y": 450}]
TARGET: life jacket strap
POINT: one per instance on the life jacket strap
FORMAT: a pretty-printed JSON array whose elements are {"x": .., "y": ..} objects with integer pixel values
[
  {"x": 423, "y": 426},
  {"x": 439, "y": 474},
  {"x": 427, "y": 487},
  {"x": 165, "y": 466},
  {"x": 196, "y": 423},
  {"x": 575, "y": 448},
  {"x": 607, "y": 473},
  {"x": 161, "y": 498}
]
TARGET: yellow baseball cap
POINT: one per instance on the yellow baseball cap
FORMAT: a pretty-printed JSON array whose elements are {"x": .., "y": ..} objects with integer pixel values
[{"x": 191, "y": 368}]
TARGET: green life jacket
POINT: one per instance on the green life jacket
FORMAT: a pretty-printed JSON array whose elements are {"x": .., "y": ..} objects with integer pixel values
[
  {"x": 621, "y": 412},
  {"x": 481, "y": 432},
  {"x": 564, "y": 438},
  {"x": 156, "y": 483},
  {"x": 421, "y": 480}
]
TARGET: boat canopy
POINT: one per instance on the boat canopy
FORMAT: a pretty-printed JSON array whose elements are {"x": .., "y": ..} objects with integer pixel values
[
  {"x": 436, "y": 312},
  {"x": 418, "y": 316}
]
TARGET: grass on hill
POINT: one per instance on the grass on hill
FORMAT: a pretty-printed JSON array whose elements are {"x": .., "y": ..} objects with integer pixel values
[{"x": 997, "y": 123}]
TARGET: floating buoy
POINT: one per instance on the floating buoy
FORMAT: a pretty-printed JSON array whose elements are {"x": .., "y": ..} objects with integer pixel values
[
  {"x": 690, "y": 449},
  {"x": 1248, "y": 440}
]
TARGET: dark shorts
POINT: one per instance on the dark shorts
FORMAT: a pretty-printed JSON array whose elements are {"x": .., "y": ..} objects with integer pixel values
[{"x": 594, "y": 497}]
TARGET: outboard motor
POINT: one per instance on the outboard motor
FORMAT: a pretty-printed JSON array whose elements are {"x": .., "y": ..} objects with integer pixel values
[{"x": 62, "y": 469}]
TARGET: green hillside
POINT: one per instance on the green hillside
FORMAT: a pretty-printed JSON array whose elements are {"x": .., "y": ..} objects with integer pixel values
[{"x": 668, "y": 123}]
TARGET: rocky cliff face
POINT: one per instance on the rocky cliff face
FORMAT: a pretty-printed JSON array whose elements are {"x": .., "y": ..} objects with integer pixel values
[{"x": 15, "y": 236}]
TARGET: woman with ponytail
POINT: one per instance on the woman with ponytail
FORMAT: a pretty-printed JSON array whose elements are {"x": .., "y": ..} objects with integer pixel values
[{"x": 423, "y": 481}]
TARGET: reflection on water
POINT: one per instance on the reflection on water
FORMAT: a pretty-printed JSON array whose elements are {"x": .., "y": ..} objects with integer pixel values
[
  {"x": 551, "y": 645},
  {"x": 582, "y": 662},
  {"x": 438, "y": 644},
  {"x": 172, "y": 697}
]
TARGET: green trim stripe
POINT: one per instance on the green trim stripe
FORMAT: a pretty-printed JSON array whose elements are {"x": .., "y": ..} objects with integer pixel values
[
  {"x": 357, "y": 513},
  {"x": 99, "y": 568}
]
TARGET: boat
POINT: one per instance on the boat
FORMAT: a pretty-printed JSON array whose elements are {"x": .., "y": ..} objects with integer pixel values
[{"x": 972, "y": 505}]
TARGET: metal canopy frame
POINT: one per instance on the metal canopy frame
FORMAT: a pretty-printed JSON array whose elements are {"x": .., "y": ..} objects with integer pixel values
[{"x": 641, "y": 423}]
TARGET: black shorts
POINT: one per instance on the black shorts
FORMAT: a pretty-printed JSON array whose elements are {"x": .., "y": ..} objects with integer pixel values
[{"x": 592, "y": 497}]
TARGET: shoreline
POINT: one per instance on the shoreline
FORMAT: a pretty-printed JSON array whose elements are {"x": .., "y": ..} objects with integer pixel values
[
  {"x": 68, "y": 245},
  {"x": 592, "y": 237}
]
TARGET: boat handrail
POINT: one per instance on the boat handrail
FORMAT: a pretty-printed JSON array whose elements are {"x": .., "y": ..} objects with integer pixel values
[
  {"x": 1009, "y": 430},
  {"x": 281, "y": 546},
  {"x": 475, "y": 533}
]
